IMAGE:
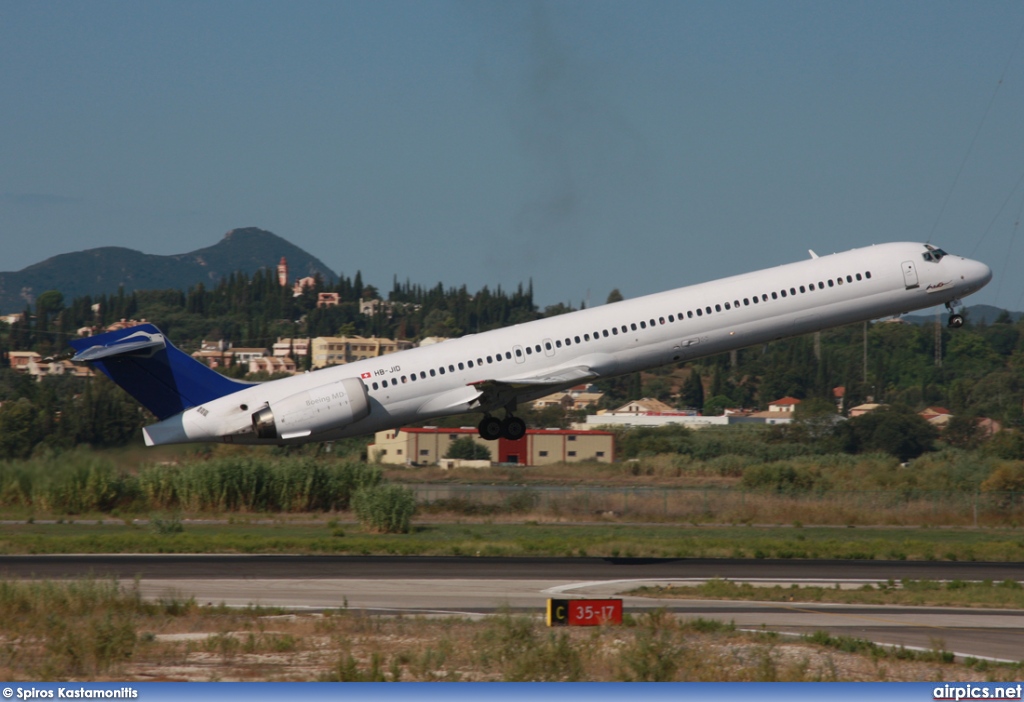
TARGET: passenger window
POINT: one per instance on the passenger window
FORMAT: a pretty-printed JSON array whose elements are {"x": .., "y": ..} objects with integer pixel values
[
  {"x": 461, "y": 366},
  {"x": 839, "y": 281},
  {"x": 726, "y": 306},
  {"x": 830, "y": 283},
  {"x": 661, "y": 320},
  {"x": 605, "y": 332},
  {"x": 404, "y": 380},
  {"x": 586, "y": 337},
  {"x": 858, "y": 276},
  {"x": 849, "y": 279},
  {"x": 537, "y": 347},
  {"x": 764, "y": 297},
  {"x": 469, "y": 363},
  {"x": 783, "y": 293},
  {"x": 508, "y": 355},
  {"x": 775, "y": 296},
  {"x": 633, "y": 326},
  {"x": 755, "y": 300},
  {"x": 652, "y": 322},
  {"x": 547, "y": 345},
  {"x": 519, "y": 353},
  {"x": 423, "y": 375},
  {"x": 811, "y": 287},
  {"x": 625, "y": 329},
  {"x": 433, "y": 373},
  {"x": 746, "y": 301},
  {"x": 689, "y": 314},
  {"x": 821, "y": 285},
  {"x": 867, "y": 274},
  {"x": 643, "y": 325},
  {"x": 671, "y": 318},
  {"x": 529, "y": 351},
  {"x": 615, "y": 331},
  {"x": 558, "y": 344},
  {"x": 699, "y": 312},
  {"x": 441, "y": 370},
  {"x": 792, "y": 291},
  {"x": 576, "y": 339},
  {"x": 375, "y": 386},
  {"x": 802, "y": 289},
  {"x": 488, "y": 360},
  {"x": 568, "y": 342},
  {"x": 708, "y": 310}
]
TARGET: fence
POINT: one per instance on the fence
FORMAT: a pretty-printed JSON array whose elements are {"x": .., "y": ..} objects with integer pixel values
[{"x": 736, "y": 506}]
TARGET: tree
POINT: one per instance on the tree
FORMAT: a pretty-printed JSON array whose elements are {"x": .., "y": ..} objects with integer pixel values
[
  {"x": 963, "y": 431},
  {"x": 715, "y": 406},
  {"x": 614, "y": 296},
  {"x": 19, "y": 429},
  {"x": 692, "y": 392},
  {"x": 893, "y": 430},
  {"x": 468, "y": 449}
]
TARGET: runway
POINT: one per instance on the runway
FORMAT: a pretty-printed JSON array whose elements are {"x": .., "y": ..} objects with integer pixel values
[{"x": 479, "y": 586}]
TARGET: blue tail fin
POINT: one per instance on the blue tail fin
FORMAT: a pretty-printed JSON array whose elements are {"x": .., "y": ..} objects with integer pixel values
[{"x": 162, "y": 378}]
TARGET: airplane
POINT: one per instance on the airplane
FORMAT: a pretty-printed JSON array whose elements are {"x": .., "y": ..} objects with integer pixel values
[{"x": 498, "y": 370}]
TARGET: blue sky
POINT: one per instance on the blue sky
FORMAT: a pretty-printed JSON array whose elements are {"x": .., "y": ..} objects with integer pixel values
[{"x": 586, "y": 145}]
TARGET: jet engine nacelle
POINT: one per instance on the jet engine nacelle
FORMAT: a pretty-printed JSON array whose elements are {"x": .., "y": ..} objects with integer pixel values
[{"x": 330, "y": 406}]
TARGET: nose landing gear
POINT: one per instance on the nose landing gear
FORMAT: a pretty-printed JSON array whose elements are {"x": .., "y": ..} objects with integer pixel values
[{"x": 956, "y": 320}]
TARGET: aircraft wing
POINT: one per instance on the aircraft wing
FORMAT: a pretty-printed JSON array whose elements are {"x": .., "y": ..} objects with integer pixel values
[{"x": 498, "y": 393}]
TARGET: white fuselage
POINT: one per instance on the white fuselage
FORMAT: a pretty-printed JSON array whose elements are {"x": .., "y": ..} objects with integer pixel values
[{"x": 613, "y": 339}]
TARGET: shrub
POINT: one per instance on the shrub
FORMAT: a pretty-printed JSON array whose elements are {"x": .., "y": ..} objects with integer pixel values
[{"x": 385, "y": 508}]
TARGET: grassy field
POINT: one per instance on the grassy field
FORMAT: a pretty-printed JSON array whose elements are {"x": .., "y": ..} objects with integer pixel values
[
  {"x": 97, "y": 630},
  {"x": 323, "y": 534}
]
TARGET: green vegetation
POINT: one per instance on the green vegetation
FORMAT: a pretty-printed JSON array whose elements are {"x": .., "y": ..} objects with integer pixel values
[
  {"x": 956, "y": 593},
  {"x": 83, "y": 482},
  {"x": 266, "y": 534},
  {"x": 387, "y": 509}
]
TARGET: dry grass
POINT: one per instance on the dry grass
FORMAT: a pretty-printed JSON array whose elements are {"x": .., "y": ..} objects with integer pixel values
[{"x": 180, "y": 641}]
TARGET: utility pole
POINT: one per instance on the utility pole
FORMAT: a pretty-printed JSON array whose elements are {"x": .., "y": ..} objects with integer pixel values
[{"x": 865, "y": 353}]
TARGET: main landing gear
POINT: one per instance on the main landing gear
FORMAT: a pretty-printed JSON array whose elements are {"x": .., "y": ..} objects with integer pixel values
[
  {"x": 492, "y": 428},
  {"x": 956, "y": 320}
]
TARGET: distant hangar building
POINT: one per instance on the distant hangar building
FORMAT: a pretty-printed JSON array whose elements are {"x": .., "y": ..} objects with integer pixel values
[{"x": 428, "y": 446}]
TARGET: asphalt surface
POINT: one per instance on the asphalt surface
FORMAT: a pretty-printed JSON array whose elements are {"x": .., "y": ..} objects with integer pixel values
[{"x": 440, "y": 567}]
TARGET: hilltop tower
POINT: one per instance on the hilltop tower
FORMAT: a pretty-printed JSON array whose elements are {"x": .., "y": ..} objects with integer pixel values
[{"x": 282, "y": 272}]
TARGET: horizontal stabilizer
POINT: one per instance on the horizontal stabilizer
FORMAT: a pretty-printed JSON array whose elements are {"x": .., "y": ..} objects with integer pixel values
[{"x": 134, "y": 343}]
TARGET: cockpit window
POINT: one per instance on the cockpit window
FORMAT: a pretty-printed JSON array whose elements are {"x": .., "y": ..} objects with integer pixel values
[{"x": 933, "y": 254}]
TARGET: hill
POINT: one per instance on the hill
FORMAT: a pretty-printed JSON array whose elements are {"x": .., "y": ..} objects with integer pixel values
[
  {"x": 975, "y": 314},
  {"x": 104, "y": 270}
]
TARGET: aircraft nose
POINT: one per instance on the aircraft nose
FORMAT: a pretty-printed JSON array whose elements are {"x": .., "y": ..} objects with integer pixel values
[{"x": 976, "y": 274}]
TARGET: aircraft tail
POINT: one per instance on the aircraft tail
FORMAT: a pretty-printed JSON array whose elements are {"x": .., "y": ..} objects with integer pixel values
[{"x": 165, "y": 380}]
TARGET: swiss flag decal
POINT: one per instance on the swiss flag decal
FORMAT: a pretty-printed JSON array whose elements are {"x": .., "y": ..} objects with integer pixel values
[{"x": 366, "y": 375}]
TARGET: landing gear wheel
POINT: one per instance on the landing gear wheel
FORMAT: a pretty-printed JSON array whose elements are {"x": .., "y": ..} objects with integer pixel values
[
  {"x": 956, "y": 321},
  {"x": 513, "y": 428},
  {"x": 490, "y": 428}
]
